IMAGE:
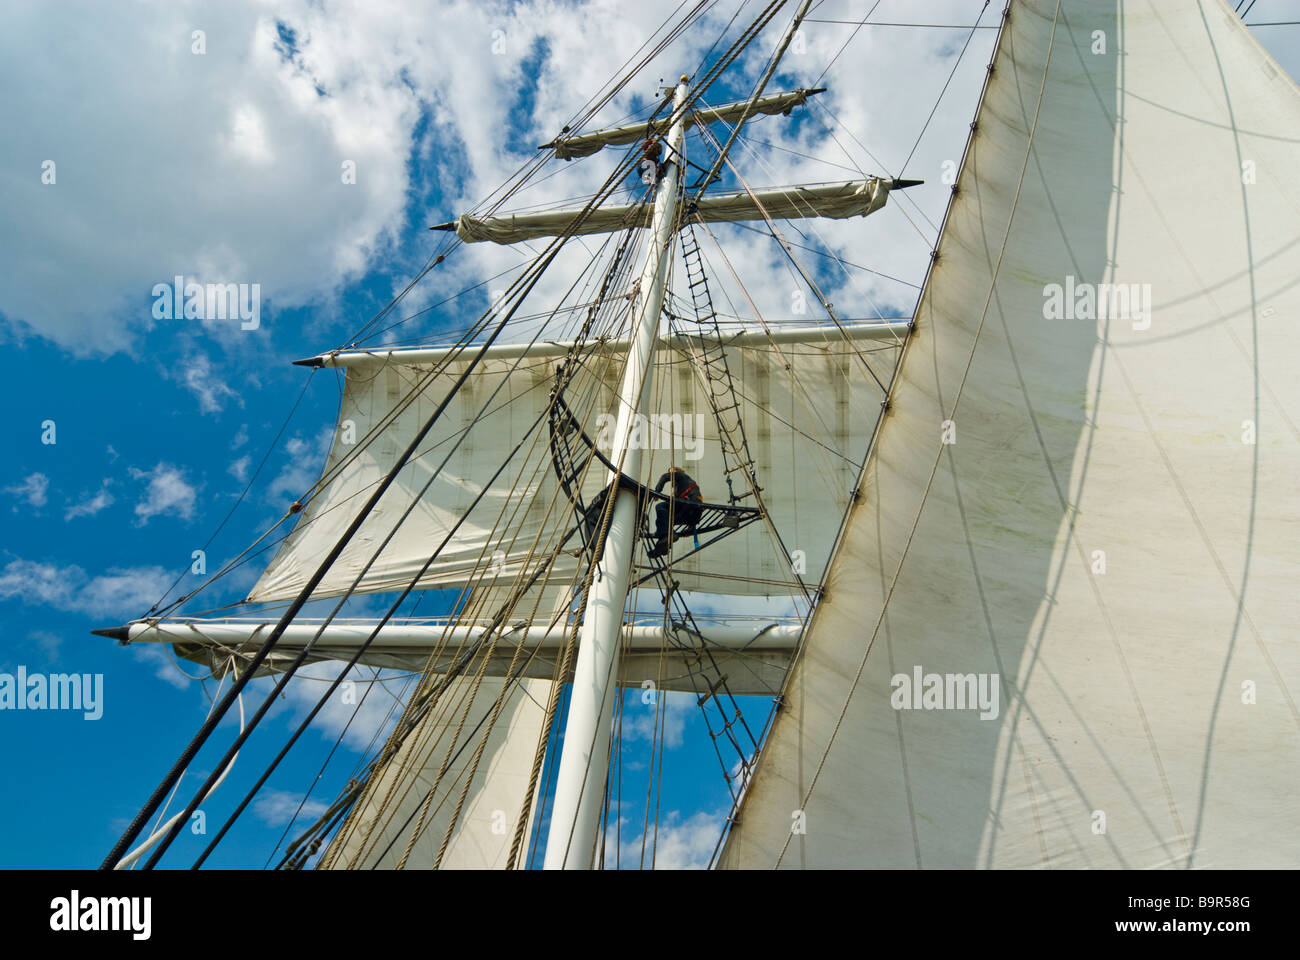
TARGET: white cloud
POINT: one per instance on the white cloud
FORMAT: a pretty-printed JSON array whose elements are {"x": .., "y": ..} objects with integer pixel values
[
  {"x": 270, "y": 206},
  {"x": 88, "y": 505},
  {"x": 196, "y": 375},
  {"x": 639, "y": 719},
  {"x": 241, "y": 437},
  {"x": 116, "y": 596},
  {"x": 304, "y": 462},
  {"x": 32, "y": 490},
  {"x": 228, "y": 166},
  {"x": 130, "y": 589},
  {"x": 248, "y": 134},
  {"x": 222, "y": 167},
  {"x": 239, "y": 468},
  {"x": 678, "y": 844},
  {"x": 34, "y": 583},
  {"x": 168, "y": 493},
  {"x": 370, "y": 714},
  {"x": 121, "y": 591},
  {"x": 687, "y": 844},
  {"x": 277, "y": 807}
]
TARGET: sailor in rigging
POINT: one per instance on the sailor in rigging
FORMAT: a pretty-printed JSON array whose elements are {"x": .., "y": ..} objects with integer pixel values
[
  {"x": 685, "y": 508},
  {"x": 650, "y": 167}
]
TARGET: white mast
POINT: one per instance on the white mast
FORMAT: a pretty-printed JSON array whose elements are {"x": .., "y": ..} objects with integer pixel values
[
  {"x": 443, "y": 518},
  {"x": 580, "y": 784}
]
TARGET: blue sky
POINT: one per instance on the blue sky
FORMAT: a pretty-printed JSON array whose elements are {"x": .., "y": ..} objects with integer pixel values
[{"x": 225, "y": 165}]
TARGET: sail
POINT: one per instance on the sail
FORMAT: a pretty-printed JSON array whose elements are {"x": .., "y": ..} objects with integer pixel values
[
  {"x": 808, "y": 407},
  {"x": 1083, "y": 495},
  {"x": 585, "y": 144},
  {"x": 406, "y": 798},
  {"x": 856, "y": 198}
]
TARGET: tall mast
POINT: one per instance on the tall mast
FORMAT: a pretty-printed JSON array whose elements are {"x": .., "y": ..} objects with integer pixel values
[
  {"x": 583, "y": 763},
  {"x": 580, "y": 784}
]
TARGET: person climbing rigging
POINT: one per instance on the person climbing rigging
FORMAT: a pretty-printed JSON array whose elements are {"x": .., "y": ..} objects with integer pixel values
[
  {"x": 685, "y": 510},
  {"x": 650, "y": 167}
]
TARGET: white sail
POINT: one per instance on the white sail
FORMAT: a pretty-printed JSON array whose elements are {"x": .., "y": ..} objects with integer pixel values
[
  {"x": 808, "y": 409},
  {"x": 1110, "y": 530},
  {"x": 585, "y": 144},
  {"x": 406, "y": 798},
  {"x": 856, "y": 198}
]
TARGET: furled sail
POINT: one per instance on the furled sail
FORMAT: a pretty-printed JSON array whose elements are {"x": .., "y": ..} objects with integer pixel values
[
  {"x": 406, "y": 809},
  {"x": 585, "y": 144},
  {"x": 807, "y": 405},
  {"x": 754, "y": 651},
  {"x": 1083, "y": 497},
  {"x": 856, "y": 198}
]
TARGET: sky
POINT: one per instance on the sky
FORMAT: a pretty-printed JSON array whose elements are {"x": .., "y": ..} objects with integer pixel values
[{"x": 305, "y": 148}]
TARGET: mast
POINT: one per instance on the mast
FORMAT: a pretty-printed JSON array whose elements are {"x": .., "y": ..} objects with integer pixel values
[
  {"x": 330, "y": 517},
  {"x": 580, "y": 784}
]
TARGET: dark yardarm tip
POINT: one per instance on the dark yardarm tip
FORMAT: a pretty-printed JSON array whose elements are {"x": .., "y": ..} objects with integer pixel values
[
  {"x": 904, "y": 184},
  {"x": 120, "y": 634},
  {"x": 444, "y": 226},
  {"x": 310, "y": 362}
]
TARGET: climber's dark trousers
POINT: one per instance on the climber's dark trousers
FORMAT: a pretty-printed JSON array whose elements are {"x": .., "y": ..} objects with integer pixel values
[{"x": 684, "y": 514}]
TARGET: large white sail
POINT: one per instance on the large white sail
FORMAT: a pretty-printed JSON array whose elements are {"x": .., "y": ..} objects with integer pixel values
[
  {"x": 1113, "y": 532},
  {"x": 407, "y": 808},
  {"x": 808, "y": 409}
]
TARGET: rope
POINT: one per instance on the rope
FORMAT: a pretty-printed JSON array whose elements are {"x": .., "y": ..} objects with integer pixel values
[
  {"x": 592, "y": 316},
  {"x": 846, "y": 43},
  {"x": 952, "y": 73},
  {"x": 210, "y": 724},
  {"x": 129, "y": 860},
  {"x": 392, "y": 610},
  {"x": 240, "y": 499}
]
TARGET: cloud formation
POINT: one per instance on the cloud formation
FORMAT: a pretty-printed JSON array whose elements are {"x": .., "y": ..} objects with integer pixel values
[
  {"x": 277, "y": 807},
  {"x": 167, "y": 494},
  {"x": 32, "y": 490},
  {"x": 293, "y": 150},
  {"x": 88, "y": 506},
  {"x": 121, "y": 591},
  {"x": 196, "y": 374}
]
